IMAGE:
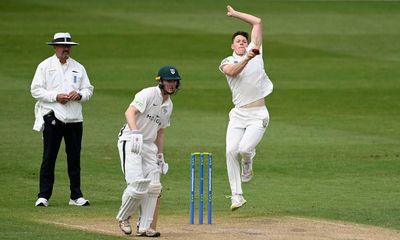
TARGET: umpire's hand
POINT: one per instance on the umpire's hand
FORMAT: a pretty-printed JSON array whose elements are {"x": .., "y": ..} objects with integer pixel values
[{"x": 62, "y": 98}]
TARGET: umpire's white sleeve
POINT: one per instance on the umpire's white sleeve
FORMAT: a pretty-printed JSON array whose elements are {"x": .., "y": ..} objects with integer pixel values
[
  {"x": 38, "y": 90},
  {"x": 86, "y": 89}
]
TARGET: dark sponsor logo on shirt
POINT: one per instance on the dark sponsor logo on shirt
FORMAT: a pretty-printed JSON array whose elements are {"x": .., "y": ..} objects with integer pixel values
[
  {"x": 265, "y": 122},
  {"x": 156, "y": 119}
]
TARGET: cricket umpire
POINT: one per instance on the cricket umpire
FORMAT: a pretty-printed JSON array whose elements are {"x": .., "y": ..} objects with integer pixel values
[{"x": 60, "y": 85}]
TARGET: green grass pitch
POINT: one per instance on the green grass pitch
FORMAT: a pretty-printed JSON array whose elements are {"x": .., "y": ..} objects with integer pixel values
[{"x": 331, "y": 149}]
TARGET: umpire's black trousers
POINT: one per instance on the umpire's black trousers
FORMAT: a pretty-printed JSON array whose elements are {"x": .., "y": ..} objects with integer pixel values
[{"x": 54, "y": 131}]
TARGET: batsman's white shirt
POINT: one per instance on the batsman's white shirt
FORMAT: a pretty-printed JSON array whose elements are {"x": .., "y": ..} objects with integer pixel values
[
  {"x": 154, "y": 114},
  {"x": 52, "y": 78},
  {"x": 252, "y": 83}
]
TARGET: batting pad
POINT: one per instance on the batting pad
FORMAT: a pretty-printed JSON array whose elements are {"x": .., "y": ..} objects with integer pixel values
[
  {"x": 148, "y": 205},
  {"x": 133, "y": 195}
]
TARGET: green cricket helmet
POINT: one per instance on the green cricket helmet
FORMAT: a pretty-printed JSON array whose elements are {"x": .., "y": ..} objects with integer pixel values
[{"x": 168, "y": 73}]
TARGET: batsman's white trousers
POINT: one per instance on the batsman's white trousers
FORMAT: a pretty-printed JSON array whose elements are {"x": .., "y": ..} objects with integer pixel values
[
  {"x": 245, "y": 130},
  {"x": 136, "y": 167}
]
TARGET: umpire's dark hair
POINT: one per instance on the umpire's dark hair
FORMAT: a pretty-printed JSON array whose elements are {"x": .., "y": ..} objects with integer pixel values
[{"x": 241, "y": 33}]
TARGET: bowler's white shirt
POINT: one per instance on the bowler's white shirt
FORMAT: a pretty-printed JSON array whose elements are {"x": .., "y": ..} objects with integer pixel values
[
  {"x": 52, "y": 78},
  {"x": 154, "y": 114},
  {"x": 252, "y": 83}
]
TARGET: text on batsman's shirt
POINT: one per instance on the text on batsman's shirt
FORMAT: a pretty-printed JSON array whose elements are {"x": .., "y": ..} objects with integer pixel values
[{"x": 154, "y": 114}]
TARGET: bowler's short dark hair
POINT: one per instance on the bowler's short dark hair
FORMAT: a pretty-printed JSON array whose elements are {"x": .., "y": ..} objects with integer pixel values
[{"x": 242, "y": 33}]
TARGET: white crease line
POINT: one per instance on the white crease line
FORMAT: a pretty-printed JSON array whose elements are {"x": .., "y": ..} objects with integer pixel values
[{"x": 78, "y": 227}]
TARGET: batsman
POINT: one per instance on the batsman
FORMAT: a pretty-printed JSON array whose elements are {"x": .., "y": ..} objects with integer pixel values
[{"x": 141, "y": 146}]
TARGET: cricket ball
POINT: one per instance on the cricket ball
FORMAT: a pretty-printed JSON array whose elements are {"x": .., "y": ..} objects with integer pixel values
[{"x": 255, "y": 51}]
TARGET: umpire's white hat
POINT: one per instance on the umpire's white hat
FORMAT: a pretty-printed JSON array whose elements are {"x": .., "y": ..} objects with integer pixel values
[{"x": 62, "y": 38}]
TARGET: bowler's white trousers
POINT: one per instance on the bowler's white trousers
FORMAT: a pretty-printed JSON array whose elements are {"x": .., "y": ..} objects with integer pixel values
[{"x": 245, "y": 130}]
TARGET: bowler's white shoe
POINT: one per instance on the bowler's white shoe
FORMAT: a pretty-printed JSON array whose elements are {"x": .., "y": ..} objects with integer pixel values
[
  {"x": 125, "y": 226},
  {"x": 42, "y": 202},
  {"x": 247, "y": 170},
  {"x": 79, "y": 202},
  {"x": 237, "y": 201}
]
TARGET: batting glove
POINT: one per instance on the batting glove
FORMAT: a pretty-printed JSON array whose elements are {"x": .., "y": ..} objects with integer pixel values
[
  {"x": 162, "y": 165},
  {"x": 136, "y": 141}
]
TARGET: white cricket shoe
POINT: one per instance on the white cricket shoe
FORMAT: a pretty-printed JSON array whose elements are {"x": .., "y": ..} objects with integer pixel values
[
  {"x": 237, "y": 201},
  {"x": 125, "y": 226},
  {"x": 148, "y": 233},
  {"x": 79, "y": 202},
  {"x": 42, "y": 202},
  {"x": 247, "y": 170}
]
